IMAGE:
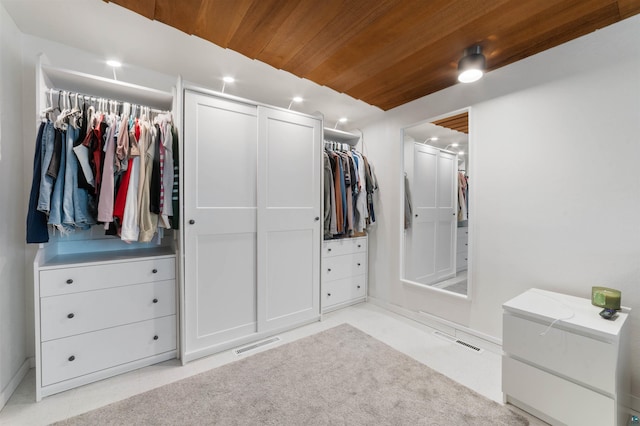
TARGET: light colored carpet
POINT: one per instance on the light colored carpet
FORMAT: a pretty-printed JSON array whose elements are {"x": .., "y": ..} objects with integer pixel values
[{"x": 341, "y": 376}]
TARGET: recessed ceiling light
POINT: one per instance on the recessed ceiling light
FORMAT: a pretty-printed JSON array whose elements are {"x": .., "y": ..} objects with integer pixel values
[
  {"x": 228, "y": 79},
  {"x": 461, "y": 153},
  {"x": 343, "y": 120},
  {"x": 297, "y": 99},
  {"x": 454, "y": 144},
  {"x": 114, "y": 63}
]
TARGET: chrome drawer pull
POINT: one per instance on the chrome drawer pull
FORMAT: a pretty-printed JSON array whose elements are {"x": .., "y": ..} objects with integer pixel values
[
  {"x": 155, "y": 300},
  {"x": 155, "y": 337},
  {"x": 70, "y": 316},
  {"x": 71, "y": 358},
  {"x": 69, "y": 281},
  {"x": 155, "y": 271}
]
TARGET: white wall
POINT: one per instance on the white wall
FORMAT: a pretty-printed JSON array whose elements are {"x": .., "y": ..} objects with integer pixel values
[
  {"x": 555, "y": 195},
  {"x": 12, "y": 222}
]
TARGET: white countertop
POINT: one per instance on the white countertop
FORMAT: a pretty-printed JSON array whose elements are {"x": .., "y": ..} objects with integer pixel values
[{"x": 570, "y": 312}]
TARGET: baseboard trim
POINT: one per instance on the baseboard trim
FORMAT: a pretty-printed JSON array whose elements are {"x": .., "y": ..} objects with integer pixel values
[
  {"x": 14, "y": 383},
  {"x": 480, "y": 339}
]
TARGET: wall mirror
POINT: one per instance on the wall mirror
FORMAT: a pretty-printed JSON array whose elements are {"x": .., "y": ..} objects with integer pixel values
[{"x": 436, "y": 185}]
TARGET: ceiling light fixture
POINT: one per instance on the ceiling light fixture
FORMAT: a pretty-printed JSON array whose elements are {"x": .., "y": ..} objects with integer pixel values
[
  {"x": 455, "y": 145},
  {"x": 296, "y": 99},
  {"x": 225, "y": 80},
  {"x": 342, "y": 120},
  {"x": 471, "y": 66},
  {"x": 114, "y": 64}
]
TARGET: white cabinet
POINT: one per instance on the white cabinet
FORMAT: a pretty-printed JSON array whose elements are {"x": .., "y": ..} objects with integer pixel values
[
  {"x": 344, "y": 272},
  {"x": 563, "y": 362},
  {"x": 252, "y": 221},
  {"x": 100, "y": 314}
]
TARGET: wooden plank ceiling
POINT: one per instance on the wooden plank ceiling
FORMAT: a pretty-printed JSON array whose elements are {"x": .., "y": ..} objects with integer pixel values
[{"x": 384, "y": 52}]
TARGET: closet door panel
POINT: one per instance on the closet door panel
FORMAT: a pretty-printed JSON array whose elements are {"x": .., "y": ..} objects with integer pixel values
[
  {"x": 288, "y": 218},
  {"x": 219, "y": 220},
  {"x": 446, "y": 213},
  {"x": 424, "y": 226},
  {"x": 226, "y": 290},
  {"x": 225, "y": 163},
  {"x": 288, "y": 288}
]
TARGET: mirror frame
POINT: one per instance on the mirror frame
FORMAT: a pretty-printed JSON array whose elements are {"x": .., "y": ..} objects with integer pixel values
[{"x": 470, "y": 161}]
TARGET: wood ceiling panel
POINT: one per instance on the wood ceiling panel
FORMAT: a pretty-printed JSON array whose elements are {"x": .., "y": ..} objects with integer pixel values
[
  {"x": 180, "y": 14},
  {"x": 459, "y": 123},
  {"x": 396, "y": 38},
  {"x": 301, "y": 28},
  {"x": 145, "y": 8},
  {"x": 523, "y": 29},
  {"x": 389, "y": 52},
  {"x": 219, "y": 20},
  {"x": 338, "y": 33},
  {"x": 628, "y": 8}
]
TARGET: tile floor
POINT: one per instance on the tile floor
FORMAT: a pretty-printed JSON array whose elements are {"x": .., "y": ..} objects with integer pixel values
[{"x": 478, "y": 371}]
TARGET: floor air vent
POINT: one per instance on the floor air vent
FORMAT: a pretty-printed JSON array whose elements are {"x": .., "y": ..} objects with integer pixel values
[
  {"x": 458, "y": 341},
  {"x": 256, "y": 345}
]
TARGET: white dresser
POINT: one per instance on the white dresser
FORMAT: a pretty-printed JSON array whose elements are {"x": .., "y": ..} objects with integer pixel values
[
  {"x": 101, "y": 314},
  {"x": 344, "y": 272},
  {"x": 575, "y": 372}
]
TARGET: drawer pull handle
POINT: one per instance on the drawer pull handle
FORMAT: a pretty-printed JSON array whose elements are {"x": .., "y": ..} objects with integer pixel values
[
  {"x": 359, "y": 246},
  {"x": 155, "y": 300},
  {"x": 191, "y": 222},
  {"x": 358, "y": 264},
  {"x": 328, "y": 249},
  {"x": 328, "y": 269},
  {"x": 72, "y": 357},
  {"x": 317, "y": 218},
  {"x": 69, "y": 281},
  {"x": 358, "y": 286},
  {"x": 71, "y": 315},
  {"x": 328, "y": 294},
  {"x": 155, "y": 271},
  {"x": 155, "y": 337}
]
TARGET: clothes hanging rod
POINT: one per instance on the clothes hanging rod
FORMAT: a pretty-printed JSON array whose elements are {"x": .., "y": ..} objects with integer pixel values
[{"x": 84, "y": 96}]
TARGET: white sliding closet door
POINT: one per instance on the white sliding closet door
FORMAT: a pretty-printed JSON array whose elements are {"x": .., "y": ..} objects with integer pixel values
[
  {"x": 288, "y": 218},
  {"x": 447, "y": 206},
  {"x": 220, "y": 237},
  {"x": 434, "y": 222}
]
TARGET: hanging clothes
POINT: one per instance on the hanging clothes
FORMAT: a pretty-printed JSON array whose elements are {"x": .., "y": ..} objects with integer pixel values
[
  {"x": 97, "y": 166},
  {"x": 37, "y": 231},
  {"x": 462, "y": 197},
  {"x": 349, "y": 185}
]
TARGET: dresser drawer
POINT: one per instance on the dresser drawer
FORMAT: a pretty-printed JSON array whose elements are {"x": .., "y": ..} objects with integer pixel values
[
  {"x": 70, "y": 314},
  {"x": 340, "y": 291},
  {"x": 338, "y": 267},
  {"x": 580, "y": 358},
  {"x": 64, "y": 359},
  {"x": 344, "y": 246},
  {"x": 98, "y": 276},
  {"x": 563, "y": 401}
]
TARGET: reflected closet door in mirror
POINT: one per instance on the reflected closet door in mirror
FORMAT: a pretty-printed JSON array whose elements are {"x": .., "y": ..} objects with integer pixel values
[{"x": 435, "y": 231}]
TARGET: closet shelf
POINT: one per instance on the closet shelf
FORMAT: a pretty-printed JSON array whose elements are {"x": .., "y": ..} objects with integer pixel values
[
  {"x": 341, "y": 136},
  {"x": 74, "y": 259},
  {"x": 78, "y": 82}
]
